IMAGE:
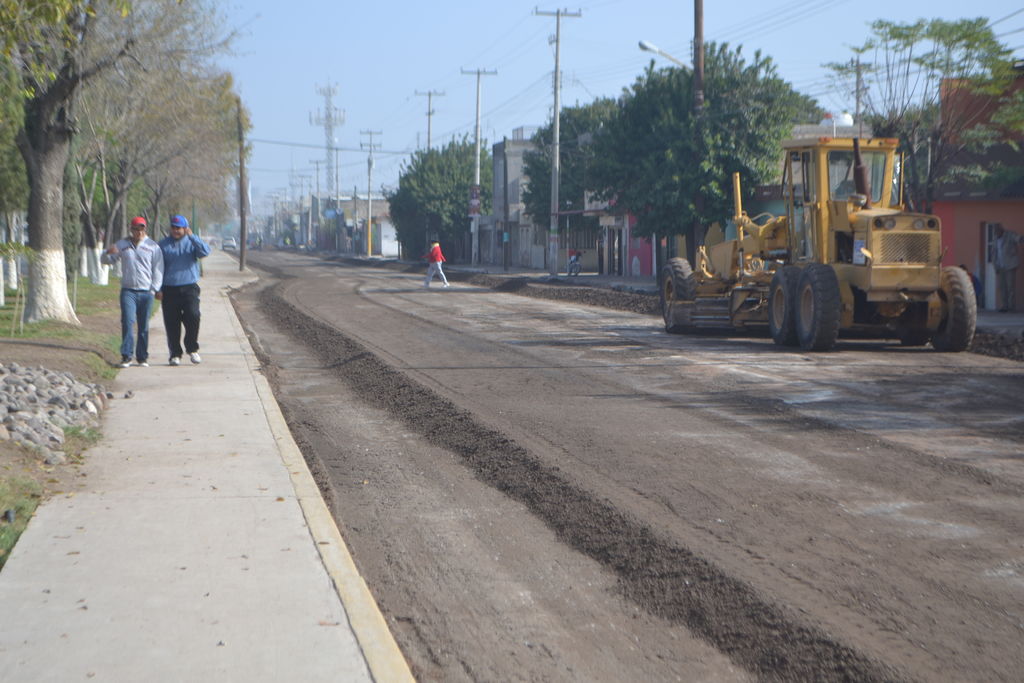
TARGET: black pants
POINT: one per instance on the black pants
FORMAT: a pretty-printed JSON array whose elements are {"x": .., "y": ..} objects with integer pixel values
[{"x": 181, "y": 307}]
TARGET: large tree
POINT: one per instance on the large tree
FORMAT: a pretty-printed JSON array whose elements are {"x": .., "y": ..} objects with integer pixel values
[
  {"x": 199, "y": 157},
  {"x": 432, "y": 198},
  {"x": 670, "y": 165},
  {"x": 169, "y": 102},
  {"x": 51, "y": 44},
  {"x": 138, "y": 124},
  {"x": 942, "y": 88},
  {"x": 64, "y": 47},
  {"x": 577, "y": 126}
]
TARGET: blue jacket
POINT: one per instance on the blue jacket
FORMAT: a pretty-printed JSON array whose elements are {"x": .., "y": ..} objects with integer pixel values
[
  {"x": 181, "y": 259},
  {"x": 142, "y": 266}
]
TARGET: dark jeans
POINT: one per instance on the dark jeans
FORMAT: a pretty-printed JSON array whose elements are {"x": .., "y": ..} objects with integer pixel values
[
  {"x": 135, "y": 307},
  {"x": 181, "y": 307}
]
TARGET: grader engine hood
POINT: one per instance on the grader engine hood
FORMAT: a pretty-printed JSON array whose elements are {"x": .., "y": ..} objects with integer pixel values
[{"x": 903, "y": 252}]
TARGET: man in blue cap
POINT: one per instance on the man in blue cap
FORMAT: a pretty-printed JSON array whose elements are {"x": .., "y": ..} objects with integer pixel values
[{"x": 180, "y": 294}]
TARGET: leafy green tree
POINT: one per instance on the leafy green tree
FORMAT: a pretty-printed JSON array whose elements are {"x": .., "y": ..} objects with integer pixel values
[
  {"x": 577, "y": 128},
  {"x": 942, "y": 88},
  {"x": 432, "y": 198},
  {"x": 671, "y": 166}
]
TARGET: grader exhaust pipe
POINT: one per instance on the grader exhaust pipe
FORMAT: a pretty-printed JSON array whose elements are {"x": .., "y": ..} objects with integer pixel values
[{"x": 860, "y": 174}]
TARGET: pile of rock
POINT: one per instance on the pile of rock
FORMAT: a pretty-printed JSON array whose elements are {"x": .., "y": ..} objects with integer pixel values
[
  {"x": 1000, "y": 345},
  {"x": 37, "y": 404}
]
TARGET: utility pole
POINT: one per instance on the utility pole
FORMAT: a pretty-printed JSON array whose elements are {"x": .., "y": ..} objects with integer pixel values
[
  {"x": 474, "y": 199},
  {"x": 243, "y": 231},
  {"x": 430, "y": 108},
  {"x": 696, "y": 231},
  {"x": 330, "y": 117},
  {"x": 555, "y": 151},
  {"x": 337, "y": 181},
  {"x": 302, "y": 238},
  {"x": 355, "y": 216},
  {"x": 698, "y": 54},
  {"x": 314, "y": 235},
  {"x": 369, "y": 188}
]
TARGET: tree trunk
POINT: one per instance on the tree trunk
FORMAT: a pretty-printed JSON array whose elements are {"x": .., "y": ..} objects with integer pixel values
[
  {"x": 99, "y": 273},
  {"x": 10, "y": 279},
  {"x": 45, "y": 147},
  {"x": 11, "y": 273}
]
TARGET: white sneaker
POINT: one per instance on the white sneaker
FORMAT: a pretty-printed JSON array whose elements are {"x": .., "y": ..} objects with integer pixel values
[
  {"x": 126, "y": 363},
  {"x": 143, "y": 364},
  {"x": 194, "y": 357},
  {"x": 176, "y": 360}
]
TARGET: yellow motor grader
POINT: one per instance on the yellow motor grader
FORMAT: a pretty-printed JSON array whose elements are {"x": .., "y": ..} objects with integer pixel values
[{"x": 845, "y": 256}]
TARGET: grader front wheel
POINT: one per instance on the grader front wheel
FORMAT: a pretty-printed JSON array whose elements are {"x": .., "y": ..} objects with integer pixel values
[
  {"x": 960, "y": 311},
  {"x": 817, "y": 312}
]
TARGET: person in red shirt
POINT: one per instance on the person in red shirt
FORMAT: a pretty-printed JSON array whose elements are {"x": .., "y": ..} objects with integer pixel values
[{"x": 435, "y": 258}]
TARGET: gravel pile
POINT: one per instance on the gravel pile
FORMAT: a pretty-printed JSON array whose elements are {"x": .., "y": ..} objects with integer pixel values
[
  {"x": 999, "y": 345},
  {"x": 37, "y": 404}
]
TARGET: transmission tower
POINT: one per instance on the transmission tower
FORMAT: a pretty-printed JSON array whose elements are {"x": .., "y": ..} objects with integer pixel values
[{"x": 330, "y": 117}]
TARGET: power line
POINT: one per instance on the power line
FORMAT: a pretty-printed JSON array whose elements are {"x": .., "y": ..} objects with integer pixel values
[
  {"x": 311, "y": 146},
  {"x": 1008, "y": 16}
]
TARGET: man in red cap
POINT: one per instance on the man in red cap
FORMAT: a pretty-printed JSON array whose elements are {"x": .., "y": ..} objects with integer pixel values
[{"x": 142, "y": 276}]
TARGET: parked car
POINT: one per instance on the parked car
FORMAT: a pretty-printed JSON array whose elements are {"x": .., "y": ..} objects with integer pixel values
[{"x": 230, "y": 244}]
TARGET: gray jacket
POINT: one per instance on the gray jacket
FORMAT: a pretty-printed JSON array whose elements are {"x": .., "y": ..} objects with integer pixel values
[
  {"x": 1004, "y": 251},
  {"x": 142, "y": 266}
]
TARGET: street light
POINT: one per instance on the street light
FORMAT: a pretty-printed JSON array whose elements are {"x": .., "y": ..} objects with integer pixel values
[{"x": 648, "y": 47}]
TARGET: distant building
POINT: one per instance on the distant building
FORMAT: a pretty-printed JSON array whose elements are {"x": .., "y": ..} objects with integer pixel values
[
  {"x": 509, "y": 234},
  {"x": 970, "y": 209}
]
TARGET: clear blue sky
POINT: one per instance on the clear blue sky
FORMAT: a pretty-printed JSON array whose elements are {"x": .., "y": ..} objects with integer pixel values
[{"x": 380, "y": 54}]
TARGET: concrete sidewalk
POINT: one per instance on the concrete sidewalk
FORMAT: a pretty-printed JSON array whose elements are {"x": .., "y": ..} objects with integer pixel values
[{"x": 201, "y": 548}]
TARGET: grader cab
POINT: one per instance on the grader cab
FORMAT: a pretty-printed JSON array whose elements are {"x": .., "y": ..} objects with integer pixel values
[{"x": 844, "y": 256}]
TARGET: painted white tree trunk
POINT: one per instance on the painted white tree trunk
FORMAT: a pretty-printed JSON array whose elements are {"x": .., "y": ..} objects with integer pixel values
[
  {"x": 11, "y": 272},
  {"x": 99, "y": 273},
  {"x": 48, "y": 296}
]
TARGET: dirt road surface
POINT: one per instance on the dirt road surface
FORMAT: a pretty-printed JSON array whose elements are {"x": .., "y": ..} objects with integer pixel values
[{"x": 542, "y": 490}]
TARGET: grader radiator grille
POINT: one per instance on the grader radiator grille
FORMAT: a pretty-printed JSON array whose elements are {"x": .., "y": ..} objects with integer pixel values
[{"x": 906, "y": 247}]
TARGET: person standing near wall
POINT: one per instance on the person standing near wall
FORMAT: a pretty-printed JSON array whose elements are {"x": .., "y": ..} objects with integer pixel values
[
  {"x": 142, "y": 273},
  {"x": 1006, "y": 259},
  {"x": 180, "y": 294}
]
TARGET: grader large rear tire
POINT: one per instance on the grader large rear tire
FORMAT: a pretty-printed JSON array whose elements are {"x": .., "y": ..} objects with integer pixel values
[
  {"x": 782, "y": 305},
  {"x": 817, "y": 311},
  {"x": 677, "y": 284},
  {"x": 960, "y": 311}
]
